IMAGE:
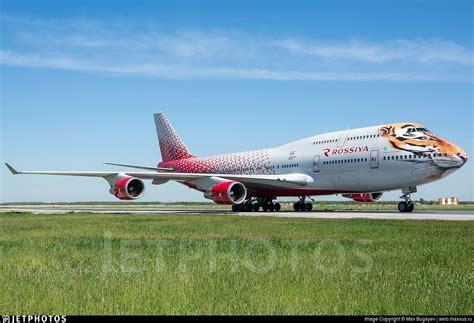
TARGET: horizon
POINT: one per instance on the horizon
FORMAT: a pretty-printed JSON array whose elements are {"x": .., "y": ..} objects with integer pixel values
[{"x": 80, "y": 83}]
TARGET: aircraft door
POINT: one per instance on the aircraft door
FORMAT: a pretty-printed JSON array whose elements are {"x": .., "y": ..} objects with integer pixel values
[
  {"x": 374, "y": 158},
  {"x": 316, "y": 163},
  {"x": 341, "y": 141}
]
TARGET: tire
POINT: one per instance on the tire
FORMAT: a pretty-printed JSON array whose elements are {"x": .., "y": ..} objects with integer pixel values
[
  {"x": 277, "y": 207},
  {"x": 303, "y": 207},
  {"x": 411, "y": 207},
  {"x": 271, "y": 207},
  {"x": 309, "y": 207},
  {"x": 265, "y": 208},
  {"x": 235, "y": 208},
  {"x": 403, "y": 207},
  {"x": 256, "y": 207},
  {"x": 296, "y": 207},
  {"x": 249, "y": 207}
]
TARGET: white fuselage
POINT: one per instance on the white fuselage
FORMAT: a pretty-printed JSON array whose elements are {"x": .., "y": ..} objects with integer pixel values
[{"x": 372, "y": 159}]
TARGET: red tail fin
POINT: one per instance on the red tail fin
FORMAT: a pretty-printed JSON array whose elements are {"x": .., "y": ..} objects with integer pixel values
[{"x": 171, "y": 145}]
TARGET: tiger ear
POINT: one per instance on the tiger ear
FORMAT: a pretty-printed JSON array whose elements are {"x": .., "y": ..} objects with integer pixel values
[{"x": 385, "y": 131}]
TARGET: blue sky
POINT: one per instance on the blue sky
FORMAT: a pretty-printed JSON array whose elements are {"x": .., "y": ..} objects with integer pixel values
[{"x": 80, "y": 81}]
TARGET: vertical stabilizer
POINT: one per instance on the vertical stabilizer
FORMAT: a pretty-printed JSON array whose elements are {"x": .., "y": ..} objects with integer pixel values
[{"x": 171, "y": 145}]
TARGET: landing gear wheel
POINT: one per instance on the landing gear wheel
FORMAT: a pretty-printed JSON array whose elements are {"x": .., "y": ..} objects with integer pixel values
[
  {"x": 407, "y": 206},
  {"x": 403, "y": 207},
  {"x": 271, "y": 207},
  {"x": 235, "y": 208},
  {"x": 309, "y": 207},
  {"x": 303, "y": 207},
  {"x": 265, "y": 207},
  {"x": 277, "y": 207},
  {"x": 300, "y": 207},
  {"x": 256, "y": 207}
]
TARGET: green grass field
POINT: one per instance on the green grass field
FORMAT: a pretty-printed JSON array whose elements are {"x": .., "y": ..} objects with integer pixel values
[
  {"x": 286, "y": 206},
  {"x": 225, "y": 264}
]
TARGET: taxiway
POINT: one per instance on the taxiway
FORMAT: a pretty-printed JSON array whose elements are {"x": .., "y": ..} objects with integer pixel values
[{"x": 375, "y": 215}]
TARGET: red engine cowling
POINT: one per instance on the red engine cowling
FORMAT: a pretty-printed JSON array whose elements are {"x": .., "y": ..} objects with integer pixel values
[
  {"x": 364, "y": 197},
  {"x": 227, "y": 193},
  {"x": 128, "y": 188}
]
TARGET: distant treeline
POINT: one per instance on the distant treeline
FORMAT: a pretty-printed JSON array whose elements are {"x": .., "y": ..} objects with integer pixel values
[{"x": 421, "y": 201}]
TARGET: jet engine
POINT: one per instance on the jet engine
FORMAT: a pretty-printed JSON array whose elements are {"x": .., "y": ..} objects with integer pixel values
[
  {"x": 128, "y": 188},
  {"x": 364, "y": 197},
  {"x": 229, "y": 192}
]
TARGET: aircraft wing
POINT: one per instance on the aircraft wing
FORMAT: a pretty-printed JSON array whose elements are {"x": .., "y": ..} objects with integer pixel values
[{"x": 251, "y": 181}]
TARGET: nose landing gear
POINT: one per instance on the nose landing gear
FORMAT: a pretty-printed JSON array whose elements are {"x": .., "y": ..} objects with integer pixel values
[{"x": 407, "y": 206}]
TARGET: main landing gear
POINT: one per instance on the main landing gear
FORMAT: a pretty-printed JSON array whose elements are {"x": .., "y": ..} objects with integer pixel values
[
  {"x": 301, "y": 206},
  {"x": 266, "y": 205},
  {"x": 254, "y": 205},
  {"x": 407, "y": 206}
]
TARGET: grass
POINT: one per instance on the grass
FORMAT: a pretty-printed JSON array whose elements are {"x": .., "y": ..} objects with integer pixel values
[
  {"x": 226, "y": 264},
  {"x": 318, "y": 206}
]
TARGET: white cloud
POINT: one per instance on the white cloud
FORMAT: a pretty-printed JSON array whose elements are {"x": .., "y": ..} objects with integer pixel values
[
  {"x": 84, "y": 45},
  {"x": 179, "y": 72},
  {"x": 425, "y": 51}
]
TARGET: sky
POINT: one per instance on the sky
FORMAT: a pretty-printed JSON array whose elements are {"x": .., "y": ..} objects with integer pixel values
[{"x": 80, "y": 81}]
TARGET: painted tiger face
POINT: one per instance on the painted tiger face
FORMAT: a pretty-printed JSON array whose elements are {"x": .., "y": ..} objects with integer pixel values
[{"x": 415, "y": 138}]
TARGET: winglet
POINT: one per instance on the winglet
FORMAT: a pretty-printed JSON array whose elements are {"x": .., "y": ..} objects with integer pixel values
[{"x": 13, "y": 170}]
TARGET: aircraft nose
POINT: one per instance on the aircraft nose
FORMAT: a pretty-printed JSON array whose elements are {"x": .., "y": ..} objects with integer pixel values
[{"x": 463, "y": 156}]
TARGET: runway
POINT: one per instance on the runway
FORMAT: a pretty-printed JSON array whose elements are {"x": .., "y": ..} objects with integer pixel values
[{"x": 375, "y": 215}]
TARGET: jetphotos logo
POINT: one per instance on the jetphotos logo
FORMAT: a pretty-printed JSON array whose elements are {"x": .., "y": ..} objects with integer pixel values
[{"x": 345, "y": 151}]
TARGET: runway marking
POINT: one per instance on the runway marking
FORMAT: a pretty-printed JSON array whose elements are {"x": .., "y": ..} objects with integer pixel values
[{"x": 375, "y": 215}]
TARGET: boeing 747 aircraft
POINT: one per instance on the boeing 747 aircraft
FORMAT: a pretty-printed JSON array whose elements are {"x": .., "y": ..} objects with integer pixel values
[{"x": 359, "y": 164}]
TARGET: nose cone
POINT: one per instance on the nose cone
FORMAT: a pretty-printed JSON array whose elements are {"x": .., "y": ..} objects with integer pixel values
[
  {"x": 463, "y": 155},
  {"x": 455, "y": 160},
  {"x": 449, "y": 155}
]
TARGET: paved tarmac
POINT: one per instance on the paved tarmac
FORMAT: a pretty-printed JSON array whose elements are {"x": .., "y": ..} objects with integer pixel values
[{"x": 376, "y": 215}]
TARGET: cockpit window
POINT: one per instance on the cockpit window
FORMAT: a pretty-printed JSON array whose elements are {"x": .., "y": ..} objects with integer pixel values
[{"x": 422, "y": 130}]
